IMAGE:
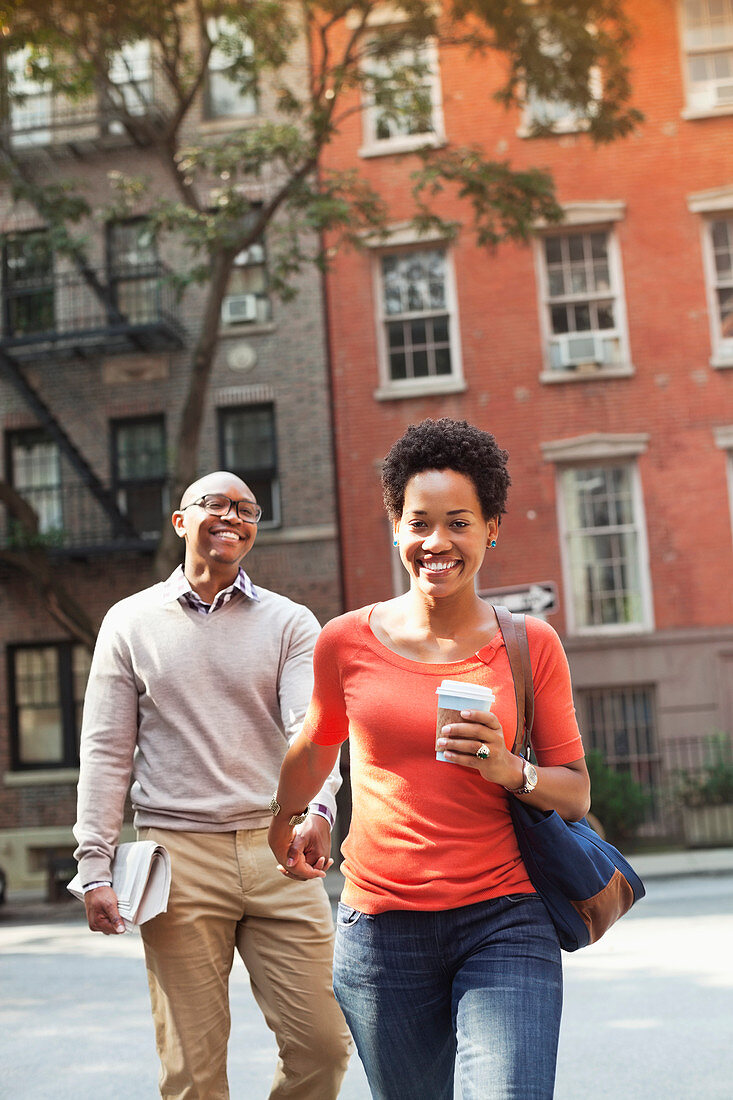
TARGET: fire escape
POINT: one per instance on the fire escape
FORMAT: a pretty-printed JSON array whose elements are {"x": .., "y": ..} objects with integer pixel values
[{"x": 58, "y": 310}]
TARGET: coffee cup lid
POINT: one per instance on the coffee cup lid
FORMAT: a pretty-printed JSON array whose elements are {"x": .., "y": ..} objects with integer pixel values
[{"x": 469, "y": 691}]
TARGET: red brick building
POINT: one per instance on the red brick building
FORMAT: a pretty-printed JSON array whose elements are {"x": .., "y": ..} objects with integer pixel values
[{"x": 601, "y": 357}]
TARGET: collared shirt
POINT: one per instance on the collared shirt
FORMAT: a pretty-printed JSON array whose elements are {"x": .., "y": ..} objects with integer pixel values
[{"x": 178, "y": 587}]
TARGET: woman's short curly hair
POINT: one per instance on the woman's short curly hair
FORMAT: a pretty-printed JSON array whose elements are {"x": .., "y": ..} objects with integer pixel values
[{"x": 447, "y": 444}]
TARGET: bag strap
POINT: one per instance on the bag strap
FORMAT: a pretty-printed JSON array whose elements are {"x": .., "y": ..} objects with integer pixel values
[{"x": 514, "y": 632}]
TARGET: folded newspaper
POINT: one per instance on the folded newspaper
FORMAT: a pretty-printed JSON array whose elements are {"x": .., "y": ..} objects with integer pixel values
[{"x": 141, "y": 878}]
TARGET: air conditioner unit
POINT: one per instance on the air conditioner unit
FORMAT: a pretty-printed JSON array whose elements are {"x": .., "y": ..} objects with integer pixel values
[
  {"x": 574, "y": 350},
  {"x": 239, "y": 307},
  {"x": 709, "y": 94},
  {"x": 724, "y": 93}
]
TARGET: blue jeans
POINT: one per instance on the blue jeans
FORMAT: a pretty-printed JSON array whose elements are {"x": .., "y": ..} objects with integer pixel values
[{"x": 481, "y": 984}]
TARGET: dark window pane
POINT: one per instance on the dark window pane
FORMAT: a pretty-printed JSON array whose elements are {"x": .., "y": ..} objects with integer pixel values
[
  {"x": 575, "y": 247},
  {"x": 440, "y": 330},
  {"x": 442, "y": 361},
  {"x": 420, "y": 364},
  {"x": 396, "y": 335},
  {"x": 248, "y": 449},
  {"x": 418, "y": 332},
  {"x": 553, "y": 250},
  {"x": 397, "y": 366}
]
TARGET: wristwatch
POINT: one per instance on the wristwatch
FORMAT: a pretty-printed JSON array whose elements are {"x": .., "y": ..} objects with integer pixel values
[
  {"x": 529, "y": 774},
  {"x": 296, "y": 819}
]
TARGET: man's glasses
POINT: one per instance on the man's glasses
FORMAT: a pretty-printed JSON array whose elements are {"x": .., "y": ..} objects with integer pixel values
[{"x": 216, "y": 504}]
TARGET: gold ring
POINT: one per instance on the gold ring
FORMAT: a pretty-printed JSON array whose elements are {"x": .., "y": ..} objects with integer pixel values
[{"x": 483, "y": 752}]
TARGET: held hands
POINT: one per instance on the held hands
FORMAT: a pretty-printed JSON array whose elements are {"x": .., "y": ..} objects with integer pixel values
[
  {"x": 102, "y": 912},
  {"x": 302, "y": 852},
  {"x": 481, "y": 732}
]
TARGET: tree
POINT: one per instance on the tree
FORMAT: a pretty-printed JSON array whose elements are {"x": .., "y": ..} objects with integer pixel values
[{"x": 553, "y": 49}]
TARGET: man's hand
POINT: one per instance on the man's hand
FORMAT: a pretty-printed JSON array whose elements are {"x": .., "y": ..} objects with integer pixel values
[
  {"x": 303, "y": 852},
  {"x": 102, "y": 912}
]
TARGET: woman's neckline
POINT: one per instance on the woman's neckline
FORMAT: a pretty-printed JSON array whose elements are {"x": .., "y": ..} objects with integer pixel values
[{"x": 479, "y": 656}]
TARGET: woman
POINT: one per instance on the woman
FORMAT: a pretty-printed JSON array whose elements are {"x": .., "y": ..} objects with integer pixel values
[{"x": 443, "y": 952}]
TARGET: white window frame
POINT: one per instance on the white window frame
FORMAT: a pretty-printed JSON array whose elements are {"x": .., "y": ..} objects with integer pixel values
[
  {"x": 390, "y": 388},
  {"x": 714, "y": 205},
  {"x": 724, "y": 440},
  {"x": 713, "y": 96},
  {"x": 585, "y": 219},
  {"x": 374, "y": 146},
  {"x": 601, "y": 450}
]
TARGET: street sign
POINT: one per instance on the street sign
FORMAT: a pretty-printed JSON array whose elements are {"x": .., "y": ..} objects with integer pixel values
[{"x": 530, "y": 599}]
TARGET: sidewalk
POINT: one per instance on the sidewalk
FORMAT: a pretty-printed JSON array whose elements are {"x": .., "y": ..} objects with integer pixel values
[{"x": 32, "y": 908}]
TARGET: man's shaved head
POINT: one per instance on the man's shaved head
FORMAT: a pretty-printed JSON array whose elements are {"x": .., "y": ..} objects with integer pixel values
[{"x": 219, "y": 482}]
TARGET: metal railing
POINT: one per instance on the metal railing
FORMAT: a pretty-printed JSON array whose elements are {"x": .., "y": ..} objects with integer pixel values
[
  {"x": 126, "y": 308},
  {"x": 72, "y": 521},
  {"x": 41, "y": 119},
  {"x": 696, "y": 789}
]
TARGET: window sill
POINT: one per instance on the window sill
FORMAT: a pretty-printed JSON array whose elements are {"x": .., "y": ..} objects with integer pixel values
[
  {"x": 227, "y": 123},
  {"x": 324, "y": 533},
  {"x": 690, "y": 114},
  {"x": 597, "y": 374},
  {"x": 420, "y": 388},
  {"x": 246, "y": 328},
  {"x": 560, "y": 129},
  {"x": 405, "y": 144},
  {"x": 612, "y": 630},
  {"x": 44, "y": 777}
]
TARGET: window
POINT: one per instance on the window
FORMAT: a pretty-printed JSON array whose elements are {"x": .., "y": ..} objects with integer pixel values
[
  {"x": 132, "y": 260},
  {"x": 707, "y": 38},
  {"x": 582, "y": 308},
  {"x": 720, "y": 247},
  {"x": 248, "y": 448},
  {"x": 131, "y": 73},
  {"x": 559, "y": 116},
  {"x": 604, "y": 547},
  {"x": 139, "y": 471},
  {"x": 34, "y": 464},
  {"x": 47, "y": 684},
  {"x": 403, "y": 108},
  {"x": 247, "y": 300},
  {"x": 620, "y": 723},
  {"x": 231, "y": 86},
  {"x": 417, "y": 326},
  {"x": 28, "y": 284},
  {"x": 31, "y": 101}
]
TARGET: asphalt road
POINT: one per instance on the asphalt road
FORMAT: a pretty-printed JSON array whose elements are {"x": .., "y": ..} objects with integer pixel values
[{"x": 648, "y": 1010}]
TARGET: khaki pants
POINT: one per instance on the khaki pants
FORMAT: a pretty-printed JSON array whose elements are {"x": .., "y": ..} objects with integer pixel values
[{"x": 227, "y": 894}]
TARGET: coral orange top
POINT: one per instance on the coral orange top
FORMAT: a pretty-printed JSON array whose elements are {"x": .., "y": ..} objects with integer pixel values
[{"x": 427, "y": 834}]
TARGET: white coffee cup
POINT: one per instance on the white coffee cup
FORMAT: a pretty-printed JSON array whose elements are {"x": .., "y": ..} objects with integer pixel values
[{"x": 455, "y": 696}]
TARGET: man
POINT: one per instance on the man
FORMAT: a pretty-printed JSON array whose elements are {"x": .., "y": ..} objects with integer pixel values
[{"x": 196, "y": 686}]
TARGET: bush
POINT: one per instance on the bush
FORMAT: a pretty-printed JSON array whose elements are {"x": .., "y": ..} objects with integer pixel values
[{"x": 617, "y": 800}]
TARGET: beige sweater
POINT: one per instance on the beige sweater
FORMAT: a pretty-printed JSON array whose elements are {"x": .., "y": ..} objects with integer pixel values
[{"x": 198, "y": 709}]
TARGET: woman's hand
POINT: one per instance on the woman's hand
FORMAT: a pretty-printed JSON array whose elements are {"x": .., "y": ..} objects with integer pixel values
[
  {"x": 481, "y": 733},
  {"x": 302, "y": 852},
  {"x": 565, "y": 788}
]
